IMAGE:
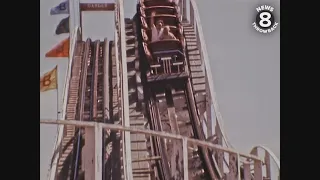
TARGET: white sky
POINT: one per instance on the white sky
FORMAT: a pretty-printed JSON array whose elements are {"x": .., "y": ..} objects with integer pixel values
[{"x": 245, "y": 67}]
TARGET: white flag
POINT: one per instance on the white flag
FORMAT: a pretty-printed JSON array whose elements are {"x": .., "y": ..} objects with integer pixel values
[{"x": 62, "y": 8}]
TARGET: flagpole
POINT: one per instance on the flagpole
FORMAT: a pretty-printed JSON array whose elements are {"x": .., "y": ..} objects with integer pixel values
[
  {"x": 57, "y": 77},
  {"x": 57, "y": 147}
]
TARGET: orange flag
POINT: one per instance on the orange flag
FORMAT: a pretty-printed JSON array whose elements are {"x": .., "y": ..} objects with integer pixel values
[
  {"x": 61, "y": 50},
  {"x": 49, "y": 80}
]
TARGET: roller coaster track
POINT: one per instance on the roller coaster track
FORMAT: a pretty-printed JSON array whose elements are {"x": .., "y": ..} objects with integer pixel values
[
  {"x": 100, "y": 71},
  {"x": 179, "y": 119},
  {"x": 85, "y": 102},
  {"x": 175, "y": 110}
]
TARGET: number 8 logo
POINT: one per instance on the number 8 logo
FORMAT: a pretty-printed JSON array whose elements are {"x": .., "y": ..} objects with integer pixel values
[
  {"x": 265, "y": 19},
  {"x": 46, "y": 80}
]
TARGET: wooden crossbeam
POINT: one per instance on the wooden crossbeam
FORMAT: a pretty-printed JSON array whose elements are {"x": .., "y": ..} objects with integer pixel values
[{"x": 150, "y": 132}]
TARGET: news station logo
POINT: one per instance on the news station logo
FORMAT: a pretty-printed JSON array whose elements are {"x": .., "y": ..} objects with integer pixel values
[{"x": 265, "y": 21}]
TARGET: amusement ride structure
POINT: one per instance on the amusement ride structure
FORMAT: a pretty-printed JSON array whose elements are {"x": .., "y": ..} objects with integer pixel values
[{"x": 135, "y": 109}]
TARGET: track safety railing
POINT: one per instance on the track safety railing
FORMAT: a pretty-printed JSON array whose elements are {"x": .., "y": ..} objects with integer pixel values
[
  {"x": 234, "y": 155},
  {"x": 268, "y": 156}
]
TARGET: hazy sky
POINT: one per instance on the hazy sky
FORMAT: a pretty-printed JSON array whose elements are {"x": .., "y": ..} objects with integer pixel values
[{"x": 245, "y": 67}]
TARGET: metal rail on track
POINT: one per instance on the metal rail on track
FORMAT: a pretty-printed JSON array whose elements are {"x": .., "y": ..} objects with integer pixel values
[{"x": 215, "y": 171}]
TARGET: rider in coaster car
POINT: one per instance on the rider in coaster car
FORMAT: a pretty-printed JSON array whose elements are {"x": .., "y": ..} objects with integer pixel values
[
  {"x": 156, "y": 30},
  {"x": 175, "y": 1},
  {"x": 166, "y": 34}
]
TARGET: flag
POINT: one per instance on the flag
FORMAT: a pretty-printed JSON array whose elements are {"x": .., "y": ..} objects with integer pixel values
[
  {"x": 62, "y": 8},
  {"x": 63, "y": 26},
  {"x": 49, "y": 80},
  {"x": 60, "y": 50}
]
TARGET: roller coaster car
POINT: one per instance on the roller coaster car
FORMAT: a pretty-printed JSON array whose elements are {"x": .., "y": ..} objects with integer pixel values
[
  {"x": 158, "y": 10},
  {"x": 177, "y": 32},
  {"x": 145, "y": 35},
  {"x": 149, "y": 3},
  {"x": 167, "y": 60},
  {"x": 143, "y": 23},
  {"x": 165, "y": 45}
]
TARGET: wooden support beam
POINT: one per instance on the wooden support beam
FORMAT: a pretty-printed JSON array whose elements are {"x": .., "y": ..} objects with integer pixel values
[
  {"x": 185, "y": 158},
  {"x": 98, "y": 151},
  {"x": 176, "y": 157},
  {"x": 208, "y": 109},
  {"x": 257, "y": 166},
  {"x": 88, "y": 153},
  {"x": 246, "y": 171},
  {"x": 267, "y": 164}
]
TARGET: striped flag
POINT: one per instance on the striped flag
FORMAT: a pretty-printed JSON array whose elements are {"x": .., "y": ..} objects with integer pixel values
[
  {"x": 63, "y": 26},
  {"x": 62, "y": 8}
]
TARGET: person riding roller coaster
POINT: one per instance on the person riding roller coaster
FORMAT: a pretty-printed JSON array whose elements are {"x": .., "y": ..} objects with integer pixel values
[
  {"x": 166, "y": 34},
  {"x": 157, "y": 30}
]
